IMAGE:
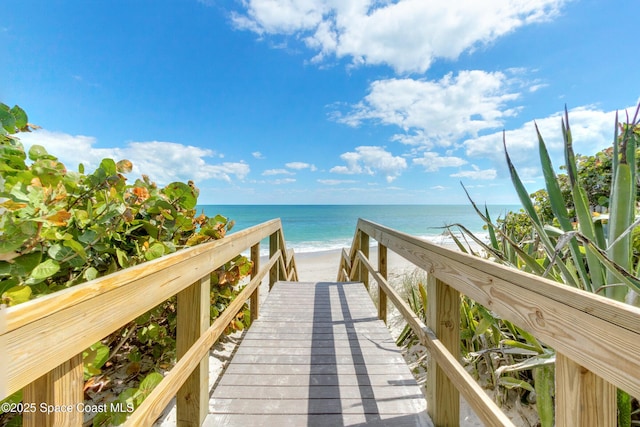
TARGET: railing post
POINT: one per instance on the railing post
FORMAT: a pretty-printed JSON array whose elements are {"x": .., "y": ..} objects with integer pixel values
[
  {"x": 582, "y": 397},
  {"x": 363, "y": 273},
  {"x": 274, "y": 245},
  {"x": 255, "y": 296},
  {"x": 61, "y": 387},
  {"x": 443, "y": 317},
  {"x": 382, "y": 269},
  {"x": 193, "y": 317}
]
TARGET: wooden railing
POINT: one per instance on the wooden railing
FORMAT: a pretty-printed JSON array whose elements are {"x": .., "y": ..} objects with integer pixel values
[
  {"x": 597, "y": 340},
  {"x": 41, "y": 341}
]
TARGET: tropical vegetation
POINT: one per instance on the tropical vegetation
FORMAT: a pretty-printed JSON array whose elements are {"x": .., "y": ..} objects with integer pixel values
[
  {"x": 61, "y": 227},
  {"x": 581, "y": 230}
]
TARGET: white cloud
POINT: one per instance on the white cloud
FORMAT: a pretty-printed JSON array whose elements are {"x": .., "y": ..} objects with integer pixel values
[
  {"x": 257, "y": 155},
  {"x": 283, "y": 181},
  {"x": 404, "y": 34},
  {"x": 436, "y": 112},
  {"x": 476, "y": 173},
  {"x": 370, "y": 160},
  {"x": 164, "y": 162},
  {"x": 270, "y": 172},
  {"x": 300, "y": 166},
  {"x": 336, "y": 181},
  {"x": 432, "y": 162}
]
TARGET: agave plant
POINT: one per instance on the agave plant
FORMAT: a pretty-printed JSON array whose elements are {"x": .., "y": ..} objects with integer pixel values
[{"x": 584, "y": 249}]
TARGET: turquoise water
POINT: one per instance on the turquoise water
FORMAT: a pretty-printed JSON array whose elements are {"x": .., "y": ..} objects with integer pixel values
[{"x": 311, "y": 228}]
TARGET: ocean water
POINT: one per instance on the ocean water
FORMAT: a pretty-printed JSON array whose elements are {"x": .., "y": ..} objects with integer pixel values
[{"x": 312, "y": 228}]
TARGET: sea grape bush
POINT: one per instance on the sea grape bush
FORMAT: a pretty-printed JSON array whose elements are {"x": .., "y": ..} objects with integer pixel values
[{"x": 60, "y": 227}]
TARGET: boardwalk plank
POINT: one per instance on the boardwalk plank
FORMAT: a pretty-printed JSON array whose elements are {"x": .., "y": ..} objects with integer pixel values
[{"x": 317, "y": 356}]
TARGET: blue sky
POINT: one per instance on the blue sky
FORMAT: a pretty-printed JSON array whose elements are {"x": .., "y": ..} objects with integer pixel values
[{"x": 321, "y": 101}]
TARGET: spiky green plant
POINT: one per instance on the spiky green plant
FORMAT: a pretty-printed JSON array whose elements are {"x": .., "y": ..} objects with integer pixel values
[{"x": 594, "y": 253}]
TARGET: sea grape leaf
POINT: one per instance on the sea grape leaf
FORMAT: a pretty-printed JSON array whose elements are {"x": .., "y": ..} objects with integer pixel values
[
  {"x": 90, "y": 274},
  {"x": 45, "y": 270},
  {"x": 37, "y": 152},
  {"x": 5, "y": 268},
  {"x": 155, "y": 251},
  {"x": 123, "y": 259},
  {"x": 109, "y": 166},
  {"x": 181, "y": 193},
  {"x": 147, "y": 385},
  {"x": 76, "y": 247},
  {"x": 16, "y": 295},
  {"x": 88, "y": 237},
  {"x": 59, "y": 252},
  {"x": 7, "y": 121},
  {"x": 20, "y": 117}
]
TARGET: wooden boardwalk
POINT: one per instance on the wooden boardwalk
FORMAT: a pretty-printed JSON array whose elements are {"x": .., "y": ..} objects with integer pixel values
[{"x": 317, "y": 356}]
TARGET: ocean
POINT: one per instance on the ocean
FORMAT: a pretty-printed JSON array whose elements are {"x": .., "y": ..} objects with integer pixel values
[{"x": 313, "y": 228}]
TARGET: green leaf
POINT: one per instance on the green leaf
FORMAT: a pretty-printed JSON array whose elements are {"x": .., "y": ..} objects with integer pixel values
[
  {"x": 90, "y": 274},
  {"x": 7, "y": 121},
  {"x": 182, "y": 194},
  {"x": 109, "y": 167},
  {"x": 88, "y": 237},
  {"x": 76, "y": 247},
  {"x": 60, "y": 252},
  {"x": 37, "y": 152},
  {"x": 510, "y": 383},
  {"x": 45, "y": 270},
  {"x": 155, "y": 251},
  {"x": 123, "y": 258},
  {"x": 5, "y": 268},
  {"x": 94, "y": 359},
  {"x": 148, "y": 384},
  {"x": 20, "y": 117},
  {"x": 544, "y": 380},
  {"x": 16, "y": 295}
]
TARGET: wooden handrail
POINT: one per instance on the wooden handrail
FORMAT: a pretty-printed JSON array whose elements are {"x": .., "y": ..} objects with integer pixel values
[
  {"x": 39, "y": 336},
  {"x": 596, "y": 339}
]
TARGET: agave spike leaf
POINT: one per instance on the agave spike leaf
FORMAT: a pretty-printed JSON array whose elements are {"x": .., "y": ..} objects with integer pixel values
[
  {"x": 559, "y": 208},
  {"x": 533, "y": 215},
  {"x": 530, "y": 339},
  {"x": 475, "y": 207},
  {"x": 585, "y": 222},
  {"x": 615, "y": 160},
  {"x": 544, "y": 382},
  {"x": 622, "y": 204},
  {"x": 523, "y": 195},
  {"x": 558, "y": 205},
  {"x": 492, "y": 234}
]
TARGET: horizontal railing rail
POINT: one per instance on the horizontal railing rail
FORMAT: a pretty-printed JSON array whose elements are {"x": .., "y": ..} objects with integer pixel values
[
  {"x": 42, "y": 340},
  {"x": 597, "y": 340}
]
